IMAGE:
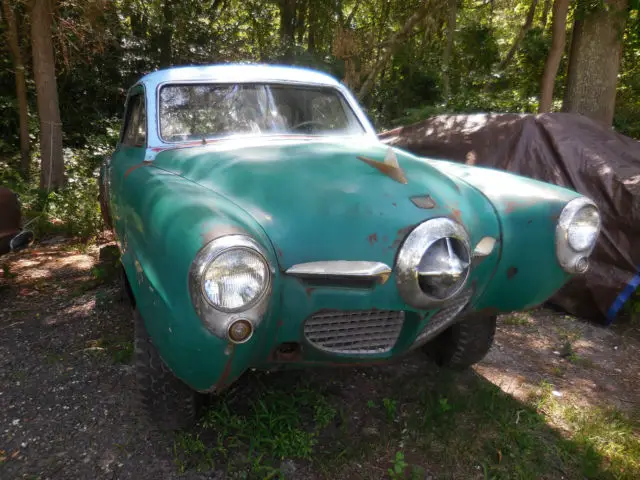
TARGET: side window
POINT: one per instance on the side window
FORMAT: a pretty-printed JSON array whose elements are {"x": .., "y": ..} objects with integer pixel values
[{"x": 135, "y": 129}]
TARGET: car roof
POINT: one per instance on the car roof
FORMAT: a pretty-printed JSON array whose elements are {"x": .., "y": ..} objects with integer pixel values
[{"x": 239, "y": 73}]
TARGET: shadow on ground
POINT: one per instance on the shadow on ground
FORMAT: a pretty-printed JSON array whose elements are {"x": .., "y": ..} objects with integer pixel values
[{"x": 526, "y": 412}]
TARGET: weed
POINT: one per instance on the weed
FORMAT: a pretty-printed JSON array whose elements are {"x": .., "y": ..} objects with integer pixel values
[
  {"x": 397, "y": 471},
  {"x": 516, "y": 319},
  {"x": 253, "y": 436},
  {"x": 444, "y": 405},
  {"x": 390, "y": 408},
  {"x": 190, "y": 452}
]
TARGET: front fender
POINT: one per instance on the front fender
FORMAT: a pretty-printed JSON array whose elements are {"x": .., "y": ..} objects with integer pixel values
[
  {"x": 168, "y": 219},
  {"x": 528, "y": 271}
]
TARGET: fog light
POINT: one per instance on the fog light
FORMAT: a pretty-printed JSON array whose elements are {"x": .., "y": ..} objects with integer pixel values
[
  {"x": 582, "y": 265},
  {"x": 240, "y": 331}
]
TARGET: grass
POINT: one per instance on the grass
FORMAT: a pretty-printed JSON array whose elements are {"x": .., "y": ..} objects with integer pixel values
[
  {"x": 516, "y": 319},
  {"x": 449, "y": 425}
]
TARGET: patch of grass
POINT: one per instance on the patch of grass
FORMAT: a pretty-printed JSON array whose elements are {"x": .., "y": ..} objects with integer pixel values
[
  {"x": 516, "y": 319},
  {"x": 606, "y": 434},
  {"x": 451, "y": 425},
  {"x": 252, "y": 435}
]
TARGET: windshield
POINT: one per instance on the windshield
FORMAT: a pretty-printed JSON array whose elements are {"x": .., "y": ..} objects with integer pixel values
[{"x": 195, "y": 112}]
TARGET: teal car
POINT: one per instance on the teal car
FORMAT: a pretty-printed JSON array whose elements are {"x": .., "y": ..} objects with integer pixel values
[{"x": 263, "y": 225}]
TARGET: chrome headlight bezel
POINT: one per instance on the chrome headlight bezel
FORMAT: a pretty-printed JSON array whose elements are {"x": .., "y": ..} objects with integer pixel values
[
  {"x": 216, "y": 318},
  {"x": 570, "y": 259},
  {"x": 413, "y": 250}
]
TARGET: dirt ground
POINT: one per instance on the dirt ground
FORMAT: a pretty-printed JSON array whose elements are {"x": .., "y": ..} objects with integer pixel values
[{"x": 66, "y": 385}]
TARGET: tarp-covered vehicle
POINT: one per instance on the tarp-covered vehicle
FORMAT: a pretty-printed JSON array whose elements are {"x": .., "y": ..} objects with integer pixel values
[
  {"x": 567, "y": 150},
  {"x": 262, "y": 224}
]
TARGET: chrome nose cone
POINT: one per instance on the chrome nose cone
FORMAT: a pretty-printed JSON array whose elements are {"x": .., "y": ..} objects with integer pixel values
[{"x": 443, "y": 268}]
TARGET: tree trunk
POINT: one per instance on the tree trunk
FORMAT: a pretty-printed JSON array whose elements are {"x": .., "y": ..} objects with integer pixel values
[
  {"x": 523, "y": 31},
  {"x": 44, "y": 72},
  {"x": 21, "y": 87},
  {"x": 392, "y": 44},
  {"x": 558, "y": 37},
  {"x": 166, "y": 34},
  {"x": 288, "y": 9},
  {"x": 446, "y": 57},
  {"x": 596, "y": 50}
]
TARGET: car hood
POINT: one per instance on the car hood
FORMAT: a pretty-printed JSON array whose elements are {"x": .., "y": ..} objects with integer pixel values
[{"x": 316, "y": 200}]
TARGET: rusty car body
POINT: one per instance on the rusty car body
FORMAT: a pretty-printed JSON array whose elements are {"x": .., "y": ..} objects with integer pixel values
[{"x": 263, "y": 225}]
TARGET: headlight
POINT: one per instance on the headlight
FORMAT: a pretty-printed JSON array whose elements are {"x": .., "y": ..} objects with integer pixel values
[
  {"x": 584, "y": 228},
  {"x": 229, "y": 282},
  {"x": 576, "y": 234},
  {"x": 433, "y": 263},
  {"x": 235, "y": 279}
]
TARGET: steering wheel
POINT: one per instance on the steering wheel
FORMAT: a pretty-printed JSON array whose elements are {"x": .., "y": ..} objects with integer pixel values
[{"x": 307, "y": 123}]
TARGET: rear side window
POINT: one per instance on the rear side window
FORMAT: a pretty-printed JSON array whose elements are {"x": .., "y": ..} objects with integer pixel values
[{"x": 135, "y": 123}]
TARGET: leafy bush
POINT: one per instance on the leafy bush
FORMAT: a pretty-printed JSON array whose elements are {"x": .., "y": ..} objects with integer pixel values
[{"x": 73, "y": 210}]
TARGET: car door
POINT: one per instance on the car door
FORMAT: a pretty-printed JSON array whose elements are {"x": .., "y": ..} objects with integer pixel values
[{"x": 129, "y": 153}]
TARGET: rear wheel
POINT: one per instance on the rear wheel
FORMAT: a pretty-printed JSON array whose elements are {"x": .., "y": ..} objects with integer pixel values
[
  {"x": 163, "y": 398},
  {"x": 464, "y": 343}
]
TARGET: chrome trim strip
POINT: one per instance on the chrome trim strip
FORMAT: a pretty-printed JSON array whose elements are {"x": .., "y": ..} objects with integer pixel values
[{"x": 362, "y": 270}]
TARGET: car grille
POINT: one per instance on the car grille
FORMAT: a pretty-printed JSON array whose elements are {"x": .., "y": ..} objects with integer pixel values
[
  {"x": 444, "y": 317},
  {"x": 354, "y": 332}
]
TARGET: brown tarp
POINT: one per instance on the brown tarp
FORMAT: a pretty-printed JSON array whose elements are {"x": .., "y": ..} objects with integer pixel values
[
  {"x": 9, "y": 218},
  {"x": 564, "y": 149}
]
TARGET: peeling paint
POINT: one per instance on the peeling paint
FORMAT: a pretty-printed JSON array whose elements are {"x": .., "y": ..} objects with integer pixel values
[
  {"x": 134, "y": 168},
  {"x": 400, "y": 236},
  {"x": 373, "y": 238},
  {"x": 221, "y": 383}
]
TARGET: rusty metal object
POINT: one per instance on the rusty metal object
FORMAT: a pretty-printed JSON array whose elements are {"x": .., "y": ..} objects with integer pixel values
[{"x": 9, "y": 218}]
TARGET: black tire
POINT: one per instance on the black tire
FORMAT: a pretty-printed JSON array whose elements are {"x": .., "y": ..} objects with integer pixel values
[
  {"x": 464, "y": 343},
  {"x": 164, "y": 399}
]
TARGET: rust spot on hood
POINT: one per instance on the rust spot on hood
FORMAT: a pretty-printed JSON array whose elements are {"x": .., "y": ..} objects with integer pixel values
[{"x": 373, "y": 238}]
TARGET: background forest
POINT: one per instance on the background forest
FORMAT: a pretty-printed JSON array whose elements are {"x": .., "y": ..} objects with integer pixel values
[{"x": 65, "y": 66}]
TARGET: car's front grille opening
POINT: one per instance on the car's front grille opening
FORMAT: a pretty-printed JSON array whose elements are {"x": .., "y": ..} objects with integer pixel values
[{"x": 354, "y": 332}]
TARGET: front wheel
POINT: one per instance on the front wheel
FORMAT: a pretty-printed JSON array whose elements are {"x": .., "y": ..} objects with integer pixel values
[
  {"x": 464, "y": 343},
  {"x": 163, "y": 398}
]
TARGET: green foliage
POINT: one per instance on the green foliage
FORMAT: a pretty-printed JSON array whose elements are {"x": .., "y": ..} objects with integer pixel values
[
  {"x": 399, "y": 466},
  {"x": 255, "y": 436}
]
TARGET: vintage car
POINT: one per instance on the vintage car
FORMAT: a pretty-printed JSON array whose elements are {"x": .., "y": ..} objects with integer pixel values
[{"x": 262, "y": 224}]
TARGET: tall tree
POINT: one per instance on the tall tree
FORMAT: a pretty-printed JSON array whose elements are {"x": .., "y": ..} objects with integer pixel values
[
  {"x": 448, "y": 49},
  {"x": 13, "y": 40},
  {"x": 558, "y": 38},
  {"x": 44, "y": 72},
  {"x": 594, "y": 61}
]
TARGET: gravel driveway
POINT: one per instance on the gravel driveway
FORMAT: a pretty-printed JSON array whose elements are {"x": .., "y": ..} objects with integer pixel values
[{"x": 65, "y": 380}]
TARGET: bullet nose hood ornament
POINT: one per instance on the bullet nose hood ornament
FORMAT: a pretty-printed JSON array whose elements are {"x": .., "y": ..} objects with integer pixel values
[{"x": 389, "y": 166}]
